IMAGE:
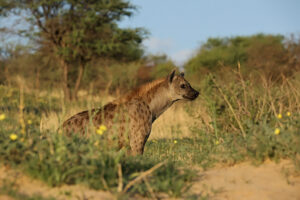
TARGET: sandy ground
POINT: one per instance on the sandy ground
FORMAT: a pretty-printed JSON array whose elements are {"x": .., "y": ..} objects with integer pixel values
[
  {"x": 30, "y": 187},
  {"x": 269, "y": 181}
]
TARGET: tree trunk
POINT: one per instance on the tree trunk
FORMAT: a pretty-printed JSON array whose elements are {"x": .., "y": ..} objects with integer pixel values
[
  {"x": 65, "y": 85},
  {"x": 78, "y": 81}
]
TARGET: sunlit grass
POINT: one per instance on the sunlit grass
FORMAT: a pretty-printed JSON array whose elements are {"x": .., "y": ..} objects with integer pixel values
[{"x": 228, "y": 124}]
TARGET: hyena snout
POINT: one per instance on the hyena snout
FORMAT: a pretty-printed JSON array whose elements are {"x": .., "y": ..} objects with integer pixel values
[{"x": 192, "y": 94}]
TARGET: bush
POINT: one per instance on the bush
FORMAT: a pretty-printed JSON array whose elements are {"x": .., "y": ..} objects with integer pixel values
[{"x": 270, "y": 54}]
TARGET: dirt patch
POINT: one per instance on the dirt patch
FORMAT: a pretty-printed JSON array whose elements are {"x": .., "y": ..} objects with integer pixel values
[
  {"x": 5, "y": 197},
  {"x": 27, "y": 186},
  {"x": 269, "y": 181}
]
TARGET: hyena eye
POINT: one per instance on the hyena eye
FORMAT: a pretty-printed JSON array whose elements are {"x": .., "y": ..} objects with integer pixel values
[{"x": 182, "y": 86}]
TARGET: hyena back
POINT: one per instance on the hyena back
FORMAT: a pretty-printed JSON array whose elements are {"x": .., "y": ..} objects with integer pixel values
[{"x": 132, "y": 115}]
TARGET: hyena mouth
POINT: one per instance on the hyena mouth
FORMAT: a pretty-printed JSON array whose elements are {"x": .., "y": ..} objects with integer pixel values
[{"x": 192, "y": 97}]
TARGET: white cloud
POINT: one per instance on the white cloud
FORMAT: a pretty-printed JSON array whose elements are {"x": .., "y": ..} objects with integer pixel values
[
  {"x": 170, "y": 48},
  {"x": 182, "y": 56},
  {"x": 158, "y": 45}
]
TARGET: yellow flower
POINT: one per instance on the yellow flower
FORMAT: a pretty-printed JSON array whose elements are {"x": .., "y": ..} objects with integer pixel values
[
  {"x": 13, "y": 137},
  {"x": 277, "y": 131},
  {"x": 279, "y": 116},
  {"x": 217, "y": 142},
  {"x": 175, "y": 141},
  {"x": 99, "y": 131},
  {"x": 2, "y": 117},
  {"x": 29, "y": 122},
  {"x": 288, "y": 114},
  {"x": 102, "y": 127}
]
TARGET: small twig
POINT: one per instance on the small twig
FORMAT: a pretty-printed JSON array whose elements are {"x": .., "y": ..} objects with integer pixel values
[
  {"x": 243, "y": 84},
  {"x": 105, "y": 184},
  {"x": 261, "y": 109},
  {"x": 294, "y": 91},
  {"x": 143, "y": 175},
  {"x": 120, "y": 184}
]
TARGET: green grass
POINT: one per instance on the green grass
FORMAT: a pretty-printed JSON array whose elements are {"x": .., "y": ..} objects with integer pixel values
[
  {"x": 205, "y": 150},
  {"x": 57, "y": 159}
]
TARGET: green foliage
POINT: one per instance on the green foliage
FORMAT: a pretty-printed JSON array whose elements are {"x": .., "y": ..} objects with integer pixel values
[
  {"x": 217, "y": 52},
  {"x": 74, "y": 31},
  {"x": 267, "y": 53}
]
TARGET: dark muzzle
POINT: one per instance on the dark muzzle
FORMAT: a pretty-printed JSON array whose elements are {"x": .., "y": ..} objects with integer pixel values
[{"x": 192, "y": 94}]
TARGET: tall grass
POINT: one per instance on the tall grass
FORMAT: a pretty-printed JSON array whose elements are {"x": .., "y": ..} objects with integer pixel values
[{"x": 246, "y": 118}]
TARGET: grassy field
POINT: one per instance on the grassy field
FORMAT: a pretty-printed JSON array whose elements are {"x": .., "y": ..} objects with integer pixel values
[{"x": 245, "y": 119}]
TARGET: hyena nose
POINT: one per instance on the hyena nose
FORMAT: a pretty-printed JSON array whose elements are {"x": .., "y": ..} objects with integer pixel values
[{"x": 196, "y": 94}]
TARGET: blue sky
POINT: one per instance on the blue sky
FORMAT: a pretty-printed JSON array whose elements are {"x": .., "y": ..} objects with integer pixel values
[{"x": 178, "y": 27}]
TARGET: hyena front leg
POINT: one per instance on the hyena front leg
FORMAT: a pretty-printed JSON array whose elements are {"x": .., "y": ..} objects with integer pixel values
[
  {"x": 138, "y": 141},
  {"x": 139, "y": 125}
]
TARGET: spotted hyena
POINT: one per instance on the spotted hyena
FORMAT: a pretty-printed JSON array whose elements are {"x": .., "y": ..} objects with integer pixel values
[{"x": 132, "y": 115}]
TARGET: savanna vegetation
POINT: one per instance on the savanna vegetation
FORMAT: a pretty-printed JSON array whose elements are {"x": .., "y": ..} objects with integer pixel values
[{"x": 78, "y": 58}]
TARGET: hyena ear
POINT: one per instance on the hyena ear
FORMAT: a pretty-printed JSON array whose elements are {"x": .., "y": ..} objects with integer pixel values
[
  {"x": 182, "y": 74},
  {"x": 171, "y": 76}
]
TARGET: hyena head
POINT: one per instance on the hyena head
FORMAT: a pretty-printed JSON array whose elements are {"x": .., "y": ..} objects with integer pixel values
[{"x": 179, "y": 88}]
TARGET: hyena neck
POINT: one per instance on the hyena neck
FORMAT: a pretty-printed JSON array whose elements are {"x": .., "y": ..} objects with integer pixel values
[
  {"x": 155, "y": 94},
  {"x": 158, "y": 98},
  {"x": 159, "y": 103}
]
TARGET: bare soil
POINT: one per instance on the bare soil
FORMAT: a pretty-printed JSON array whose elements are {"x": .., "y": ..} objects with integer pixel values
[
  {"x": 269, "y": 181},
  {"x": 25, "y": 185}
]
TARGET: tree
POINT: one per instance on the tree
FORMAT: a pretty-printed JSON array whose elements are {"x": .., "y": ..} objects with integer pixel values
[{"x": 76, "y": 31}]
